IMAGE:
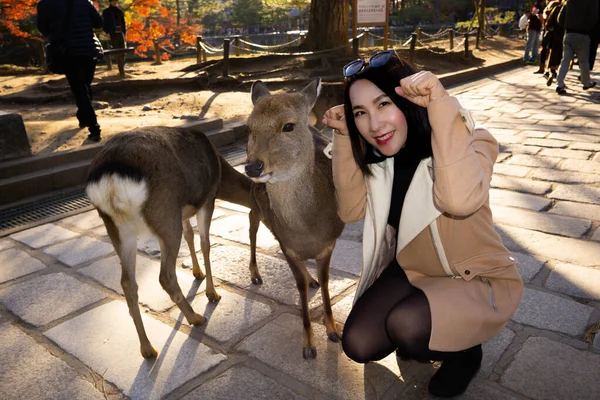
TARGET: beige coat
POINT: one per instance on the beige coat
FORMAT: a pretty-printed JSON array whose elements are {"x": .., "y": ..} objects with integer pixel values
[{"x": 446, "y": 244}]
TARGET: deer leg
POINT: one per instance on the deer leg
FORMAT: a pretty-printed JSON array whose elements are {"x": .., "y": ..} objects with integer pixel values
[
  {"x": 254, "y": 224},
  {"x": 188, "y": 234},
  {"x": 204, "y": 218},
  {"x": 299, "y": 270},
  {"x": 170, "y": 240},
  {"x": 125, "y": 244},
  {"x": 333, "y": 333}
]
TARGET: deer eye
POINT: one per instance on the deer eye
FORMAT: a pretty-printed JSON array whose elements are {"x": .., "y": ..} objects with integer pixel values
[{"x": 288, "y": 127}]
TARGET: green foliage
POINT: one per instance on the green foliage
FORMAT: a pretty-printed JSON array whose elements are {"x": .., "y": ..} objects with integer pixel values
[
  {"x": 493, "y": 16},
  {"x": 246, "y": 12}
]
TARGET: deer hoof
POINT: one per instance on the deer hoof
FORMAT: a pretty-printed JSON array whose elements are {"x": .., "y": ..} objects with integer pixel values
[
  {"x": 257, "y": 280},
  {"x": 313, "y": 284},
  {"x": 148, "y": 351},
  {"x": 334, "y": 336},
  {"x": 197, "y": 320},
  {"x": 309, "y": 353},
  {"x": 199, "y": 275},
  {"x": 213, "y": 297}
]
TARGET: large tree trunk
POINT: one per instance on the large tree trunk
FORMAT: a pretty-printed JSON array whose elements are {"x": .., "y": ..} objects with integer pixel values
[{"x": 328, "y": 25}]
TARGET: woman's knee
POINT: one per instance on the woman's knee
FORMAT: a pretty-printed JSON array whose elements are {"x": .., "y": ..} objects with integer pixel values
[{"x": 362, "y": 346}]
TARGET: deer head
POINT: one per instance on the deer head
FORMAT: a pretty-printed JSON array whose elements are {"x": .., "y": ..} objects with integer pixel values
[{"x": 280, "y": 143}]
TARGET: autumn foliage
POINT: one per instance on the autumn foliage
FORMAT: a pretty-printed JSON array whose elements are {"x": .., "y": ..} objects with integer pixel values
[{"x": 146, "y": 20}]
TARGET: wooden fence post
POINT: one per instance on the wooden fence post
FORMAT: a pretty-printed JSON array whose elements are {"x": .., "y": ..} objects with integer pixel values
[
  {"x": 225, "y": 58},
  {"x": 236, "y": 41},
  {"x": 158, "y": 61},
  {"x": 413, "y": 42},
  {"x": 451, "y": 38},
  {"x": 355, "y": 46},
  {"x": 467, "y": 44},
  {"x": 198, "y": 49},
  {"x": 419, "y": 34}
]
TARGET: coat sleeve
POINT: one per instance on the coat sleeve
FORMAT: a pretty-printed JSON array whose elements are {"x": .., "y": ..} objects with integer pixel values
[
  {"x": 350, "y": 187},
  {"x": 463, "y": 159}
]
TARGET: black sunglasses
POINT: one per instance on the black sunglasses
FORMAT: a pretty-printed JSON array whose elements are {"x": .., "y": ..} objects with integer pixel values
[{"x": 378, "y": 59}]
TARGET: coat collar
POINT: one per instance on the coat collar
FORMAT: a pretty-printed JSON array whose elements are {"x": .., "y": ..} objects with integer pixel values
[{"x": 419, "y": 209}]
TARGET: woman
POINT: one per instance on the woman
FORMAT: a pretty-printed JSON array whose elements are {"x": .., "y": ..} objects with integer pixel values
[
  {"x": 554, "y": 41},
  {"x": 408, "y": 159}
]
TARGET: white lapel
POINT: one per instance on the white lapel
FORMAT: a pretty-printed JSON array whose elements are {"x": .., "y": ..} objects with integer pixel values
[{"x": 419, "y": 209}]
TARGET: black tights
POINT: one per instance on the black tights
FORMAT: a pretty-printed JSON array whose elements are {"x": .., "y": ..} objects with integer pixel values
[{"x": 391, "y": 315}]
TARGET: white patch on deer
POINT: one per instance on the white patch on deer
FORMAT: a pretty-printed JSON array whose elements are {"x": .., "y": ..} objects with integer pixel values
[{"x": 122, "y": 199}]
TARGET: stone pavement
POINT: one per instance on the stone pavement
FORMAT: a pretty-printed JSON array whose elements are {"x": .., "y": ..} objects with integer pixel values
[{"x": 65, "y": 332}]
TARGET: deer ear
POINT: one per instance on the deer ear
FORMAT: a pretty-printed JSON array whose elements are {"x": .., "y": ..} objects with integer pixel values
[
  {"x": 311, "y": 92},
  {"x": 259, "y": 90}
]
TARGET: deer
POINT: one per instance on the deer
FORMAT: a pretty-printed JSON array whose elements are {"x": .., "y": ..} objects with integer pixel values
[
  {"x": 152, "y": 180},
  {"x": 296, "y": 196}
]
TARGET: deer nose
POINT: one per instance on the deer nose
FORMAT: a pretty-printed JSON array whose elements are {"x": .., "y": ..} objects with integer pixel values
[{"x": 254, "y": 169}]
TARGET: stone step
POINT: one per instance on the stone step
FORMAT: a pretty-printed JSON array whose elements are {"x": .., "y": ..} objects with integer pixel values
[{"x": 45, "y": 174}]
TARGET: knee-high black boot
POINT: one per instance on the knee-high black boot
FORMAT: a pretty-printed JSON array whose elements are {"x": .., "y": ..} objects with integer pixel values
[{"x": 456, "y": 372}]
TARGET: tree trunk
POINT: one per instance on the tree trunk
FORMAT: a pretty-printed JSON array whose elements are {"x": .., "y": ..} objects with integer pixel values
[{"x": 328, "y": 25}]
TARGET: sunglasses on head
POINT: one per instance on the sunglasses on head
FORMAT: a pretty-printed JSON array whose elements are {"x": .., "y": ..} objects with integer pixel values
[{"x": 378, "y": 59}]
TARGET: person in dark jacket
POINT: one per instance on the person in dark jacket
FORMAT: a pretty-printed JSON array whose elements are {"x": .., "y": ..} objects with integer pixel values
[
  {"x": 578, "y": 17},
  {"x": 594, "y": 40},
  {"x": 114, "y": 25},
  {"x": 77, "y": 35},
  {"x": 533, "y": 39}
]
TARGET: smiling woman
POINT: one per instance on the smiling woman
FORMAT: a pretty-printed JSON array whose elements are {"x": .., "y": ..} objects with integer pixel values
[{"x": 436, "y": 280}]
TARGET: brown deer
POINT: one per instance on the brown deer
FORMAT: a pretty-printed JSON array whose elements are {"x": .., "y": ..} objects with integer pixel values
[
  {"x": 153, "y": 180},
  {"x": 297, "y": 203}
]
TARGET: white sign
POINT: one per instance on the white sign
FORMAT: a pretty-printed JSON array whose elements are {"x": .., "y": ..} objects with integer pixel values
[{"x": 371, "y": 11}]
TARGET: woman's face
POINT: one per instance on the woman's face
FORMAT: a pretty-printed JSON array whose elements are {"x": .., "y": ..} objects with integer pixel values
[{"x": 377, "y": 118}]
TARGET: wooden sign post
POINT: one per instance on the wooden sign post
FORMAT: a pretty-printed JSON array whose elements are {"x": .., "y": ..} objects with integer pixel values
[{"x": 370, "y": 13}]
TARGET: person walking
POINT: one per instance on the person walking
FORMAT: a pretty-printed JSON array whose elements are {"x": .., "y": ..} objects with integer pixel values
[
  {"x": 555, "y": 41},
  {"x": 71, "y": 24},
  {"x": 114, "y": 26},
  {"x": 436, "y": 280},
  {"x": 533, "y": 38},
  {"x": 578, "y": 17}
]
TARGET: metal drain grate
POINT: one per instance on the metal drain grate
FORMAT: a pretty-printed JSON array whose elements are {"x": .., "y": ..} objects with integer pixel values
[
  {"x": 234, "y": 155},
  {"x": 41, "y": 211}
]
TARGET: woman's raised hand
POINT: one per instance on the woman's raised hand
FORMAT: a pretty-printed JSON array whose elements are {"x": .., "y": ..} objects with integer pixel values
[
  {"x": 335, "y": 118},
  {"x": 421, "y": 88}
]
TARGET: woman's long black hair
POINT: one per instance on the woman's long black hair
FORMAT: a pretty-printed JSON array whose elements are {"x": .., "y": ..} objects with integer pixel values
[{"x": 387, "y": 78}]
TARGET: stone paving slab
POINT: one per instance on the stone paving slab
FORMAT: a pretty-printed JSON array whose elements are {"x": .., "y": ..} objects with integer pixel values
[
  {"x": 596, "y": 235},
  {"x": 528, "y": 266},
  {"x": 493, "y": 350},
  {"x": 511, "y": 170},
  {"x": 231, "y": 317},
  {"x": 279, "y": 345},
  {"x": 567, "y": 373},
  {"x": 535, "y": 134},
  {"x": 347, "y": 256},
  {"x": 541, "y": 244},
  {"x": 43, "y": 299},
  {"x": 15, "y": 263},
  {"x": 579, "y": 210},
  {"x": 520, "y": 184},
  {"x": 29, "y": 371},
  {"x": 84, "y": 221},
  {"x": 515, "y": 199},
  {"x": 240, "y": 382},
  {"x": 519, "y": 149},
  {"x": 527, "y": 160},
  {"x": 108, "y": 273},
  {"x": 105, "y": 340},
  {"x": 43, "y": 235},
  {"x": 79, "y": 251},
  {"x": 547, "y": 311},
  {"x": 559, "y": 176},
  {"x": 237, "y": 227},
  {"x": 151, "y": 247},
  {"x": 546, "y": 143},
  {"x": 590, "y": 167},
  {"x": 342, "y": 308},
  {"x": 353, "y": 231},
  {"x": 585, "y": 146},
  {"x": 577, "y": 193},
  {"x": 550, "y": 223},
  {"x": 564, "y": 153},
  {"x": 573, "y": 137},
  {"x": 231, "y": 265},
  {"x": 575, "y": 280},
  {"x": 6, "y": 244}
]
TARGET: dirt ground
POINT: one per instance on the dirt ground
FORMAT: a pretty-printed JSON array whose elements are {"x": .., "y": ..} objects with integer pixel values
[{"x": 179, "y": 90}]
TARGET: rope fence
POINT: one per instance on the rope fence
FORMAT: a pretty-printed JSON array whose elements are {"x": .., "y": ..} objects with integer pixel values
[{"x": 439, "y": 43}]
